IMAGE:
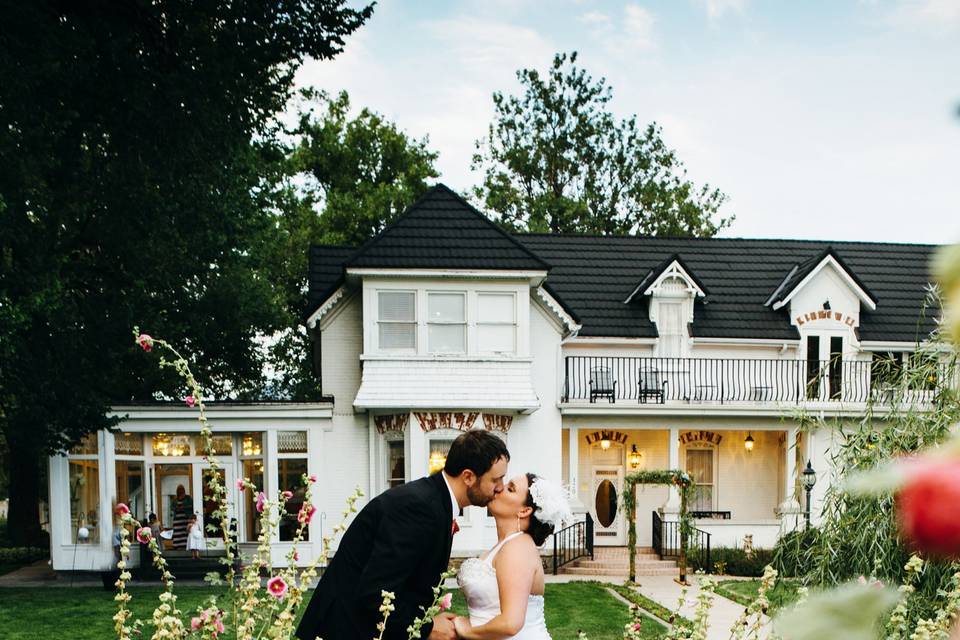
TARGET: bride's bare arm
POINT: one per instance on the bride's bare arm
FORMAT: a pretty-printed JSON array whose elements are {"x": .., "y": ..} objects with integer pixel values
[{"x": 517, "y": 565}]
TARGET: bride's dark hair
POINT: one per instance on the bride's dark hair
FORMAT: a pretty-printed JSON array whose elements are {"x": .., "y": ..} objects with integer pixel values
[{"x": 539, "y": 531}]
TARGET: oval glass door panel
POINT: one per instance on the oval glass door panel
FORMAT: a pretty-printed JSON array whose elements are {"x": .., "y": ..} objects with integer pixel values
[{"x": 606, "y": 503}]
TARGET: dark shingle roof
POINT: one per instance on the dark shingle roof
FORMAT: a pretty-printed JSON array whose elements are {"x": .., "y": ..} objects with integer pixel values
[
  {"x": 441, "y": 230},
  {"x": 325, "y": 272},
  {"x": 654, "y": 273},
  {"x": 803, "y": 269},
  {"x": 595, "y": 274}
]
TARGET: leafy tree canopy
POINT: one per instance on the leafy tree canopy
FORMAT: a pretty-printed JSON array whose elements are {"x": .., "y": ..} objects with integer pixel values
[
  {"x": 556, "y": 159},
  {"x": 134, "y": 138}
]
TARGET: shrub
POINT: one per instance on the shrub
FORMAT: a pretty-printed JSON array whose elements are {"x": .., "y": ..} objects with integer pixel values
[
  {"x": 791, "y": 549},
  {"x": 735, "y": 561},
  {"x": 21, "y": 555}
]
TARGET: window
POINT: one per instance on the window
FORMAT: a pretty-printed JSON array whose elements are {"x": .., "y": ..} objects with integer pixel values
[
  {"x": 84, "y": 479},
  {"x": 496, "y": 323},
  {"x": 222, "y": 444},
  {"x": 700, "y": 468},
  {"x": 438, "y": 455},
  {"x": 251, "y": 461},
  {"x": 130, "y": 487},
  {"x": 292, "y": 467},
  {"x": 836, "y": 367},
  {"x": 171, "y": 445},
  {"x": 396, "y": 462},
  {"x": 671, "y": 327},
  {"x": 397, "y": 319},
  {"x": 813, "y": 367},
  {"x": 447, "y": 322}
]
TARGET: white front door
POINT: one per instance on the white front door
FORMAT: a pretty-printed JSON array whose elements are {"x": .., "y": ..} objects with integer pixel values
[
  {"x": 605, "y": 506},
  {"x": 207, "y": 505}
]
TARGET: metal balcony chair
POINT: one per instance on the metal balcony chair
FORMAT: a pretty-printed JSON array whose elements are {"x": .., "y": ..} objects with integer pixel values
[
  {"x": 651, "y": 386},
  {"x": 602, "y": 384}
]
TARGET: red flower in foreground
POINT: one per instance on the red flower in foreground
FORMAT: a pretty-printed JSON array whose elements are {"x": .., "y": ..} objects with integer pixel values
[
  {"x": 190, "y": 401},
  {"x": 122, "y": 509},
  {"x": 145, "y": 341},
  {"x": 143, "y": 535},
  {"x": 927, "y": 508},
  {"x": 277, "y": 587}
]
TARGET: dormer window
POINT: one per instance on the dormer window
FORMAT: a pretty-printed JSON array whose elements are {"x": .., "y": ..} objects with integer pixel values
[
  {"x": 447, "y": 322},
  {"x": 397, "y": 320}
]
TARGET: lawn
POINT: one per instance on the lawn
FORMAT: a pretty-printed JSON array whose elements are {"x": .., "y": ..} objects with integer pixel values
[
  {"x": 84, "y": 613},
  {"x": 745, "y": 591}
]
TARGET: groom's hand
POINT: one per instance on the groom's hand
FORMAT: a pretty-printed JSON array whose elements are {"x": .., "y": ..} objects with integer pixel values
[{"x": 443, "y": 628}]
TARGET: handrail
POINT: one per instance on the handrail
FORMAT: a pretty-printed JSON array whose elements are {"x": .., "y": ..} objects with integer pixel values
[
  {"x": 573, "y": 542},
  {"x": 666, "y": 542}
]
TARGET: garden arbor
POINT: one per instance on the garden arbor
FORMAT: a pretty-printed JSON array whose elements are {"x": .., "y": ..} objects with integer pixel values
[{"x": 670, "y": 477}]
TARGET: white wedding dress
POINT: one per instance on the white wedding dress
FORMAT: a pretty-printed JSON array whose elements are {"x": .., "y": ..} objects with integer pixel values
[{"x": 478, "y": 581}]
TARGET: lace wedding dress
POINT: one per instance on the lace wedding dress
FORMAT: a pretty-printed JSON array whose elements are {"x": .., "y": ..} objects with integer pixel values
[{"x": 478, "y": 581}]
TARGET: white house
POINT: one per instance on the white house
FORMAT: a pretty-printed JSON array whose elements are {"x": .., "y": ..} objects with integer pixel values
[{"x": 591, "y": 356}]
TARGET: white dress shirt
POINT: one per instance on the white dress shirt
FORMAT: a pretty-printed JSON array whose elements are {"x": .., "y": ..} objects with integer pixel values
[{"x": 455, "y": 506}]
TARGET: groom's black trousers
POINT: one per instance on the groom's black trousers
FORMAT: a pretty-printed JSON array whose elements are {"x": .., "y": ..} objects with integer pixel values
[{"x": 399, "y": 542}]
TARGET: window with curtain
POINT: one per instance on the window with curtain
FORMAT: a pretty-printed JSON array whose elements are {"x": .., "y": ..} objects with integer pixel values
[
  {"x": 447, "y": 322},
  {"x": 496, "y": 323},
  {"x": 397, "y": 320},
  {"x": 700, "y": 468}
]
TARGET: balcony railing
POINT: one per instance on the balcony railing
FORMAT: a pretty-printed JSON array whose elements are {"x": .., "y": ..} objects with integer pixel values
[{"x": 735, "y": 380}]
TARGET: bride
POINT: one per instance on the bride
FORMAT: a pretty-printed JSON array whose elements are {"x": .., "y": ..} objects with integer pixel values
[{"x": 504, "y": 587}]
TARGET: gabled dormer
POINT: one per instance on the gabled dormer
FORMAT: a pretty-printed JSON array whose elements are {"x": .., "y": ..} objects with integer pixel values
[{"x": 671, "y": 289}]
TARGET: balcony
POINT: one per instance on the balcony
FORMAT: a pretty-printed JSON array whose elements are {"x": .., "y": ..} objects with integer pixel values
[{"x": 596, "y": 379}]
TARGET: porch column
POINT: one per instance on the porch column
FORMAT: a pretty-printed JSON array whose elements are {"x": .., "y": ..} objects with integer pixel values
[
  {"x": 789, "y": 510},
  {"x": 672, "y": 506},
  {"x": 573, "y": 470}
]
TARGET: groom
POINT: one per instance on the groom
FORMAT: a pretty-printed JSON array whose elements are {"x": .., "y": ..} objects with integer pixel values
[{"x": 400, "y": 542}]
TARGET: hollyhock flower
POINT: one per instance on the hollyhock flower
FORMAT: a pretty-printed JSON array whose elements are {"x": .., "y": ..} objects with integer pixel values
[
  {"x": 446, "y": 601},
  {"x": 122, "y": 509},
  {"x": 240, "y": 484},
  {"x": 313, "y": 477},
  {"x": 261, "y": 501},
  {"x": 277, "y": 587},
  {"x": 636, "y": 626},
  {"x": 926, "y": 508},
  {"x": 217, "y": 626},
  {"x": 296, "y": 556},
  {"x": 287, "y": 494},
  {"x": 195, "y": 623},
  {"x": 145, "y": 342},
  {"x": 143, "y": 535},
  {"x": 306, "y": 513},
  {"x": 190, "y": 401}
]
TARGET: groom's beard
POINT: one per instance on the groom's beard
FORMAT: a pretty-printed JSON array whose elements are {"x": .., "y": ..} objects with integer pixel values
[{"x": 478, "y": 498}]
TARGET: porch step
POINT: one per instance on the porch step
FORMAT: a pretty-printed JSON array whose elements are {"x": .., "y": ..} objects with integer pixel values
[
  {"x": 640, "y": 565},
  {"x": 619, "y": 572},
  {"x": 615, "y": 561}
]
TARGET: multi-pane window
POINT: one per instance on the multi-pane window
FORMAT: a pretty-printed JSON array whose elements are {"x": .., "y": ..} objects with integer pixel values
[
  {"x": 251, "y": 460},
  {"x": 397, "y": 320},
  {"x": 447, "y": 322},
  {"x": 292, "y": 466},
  {"x": 700, "y": 468},
  {"x": 496, "y": 323},
  {"x": 131, "y": 489},
  {"x": 84, "y": 479},
  {"x": 396, "y": 462}
]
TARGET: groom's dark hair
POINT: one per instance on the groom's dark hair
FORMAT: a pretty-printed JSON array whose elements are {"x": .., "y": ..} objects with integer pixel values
[{"x": 475, "y": 450}]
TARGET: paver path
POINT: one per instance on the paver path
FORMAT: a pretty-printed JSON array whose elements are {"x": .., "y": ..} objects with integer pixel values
[{"x": 665, "y": 591}]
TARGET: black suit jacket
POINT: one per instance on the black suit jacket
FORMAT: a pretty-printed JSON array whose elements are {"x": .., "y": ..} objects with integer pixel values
[{"x": 399, "y": 542}]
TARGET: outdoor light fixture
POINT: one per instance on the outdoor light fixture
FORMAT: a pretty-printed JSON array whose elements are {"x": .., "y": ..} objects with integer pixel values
[
  {"x": 826, "y": 305},
  {"x": 748, "y": 442},
  {"x": 605, "y": 444},
  {"x": 808, "y": 478},
  {"x": 634, "y": 457}
]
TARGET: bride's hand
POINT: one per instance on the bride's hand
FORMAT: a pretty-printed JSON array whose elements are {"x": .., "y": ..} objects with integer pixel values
[{"x": 462, "y": 625}]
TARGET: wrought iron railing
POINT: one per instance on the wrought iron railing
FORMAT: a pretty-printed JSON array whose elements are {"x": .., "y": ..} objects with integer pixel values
[
  {"x": 573, "y": 542},
  {"x": 728, "y": 380},
  {"x": 666, "y": 542}
]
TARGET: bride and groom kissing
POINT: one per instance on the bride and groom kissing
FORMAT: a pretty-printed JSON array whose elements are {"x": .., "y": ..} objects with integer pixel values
[{"x": 401, "y": 540}]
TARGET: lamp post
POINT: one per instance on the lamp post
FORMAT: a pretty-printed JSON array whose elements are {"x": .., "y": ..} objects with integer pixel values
[{"x": 808, "y": 479}]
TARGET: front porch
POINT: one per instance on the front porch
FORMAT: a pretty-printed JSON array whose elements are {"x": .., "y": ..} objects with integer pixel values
[{"x": 746, "y": 478}]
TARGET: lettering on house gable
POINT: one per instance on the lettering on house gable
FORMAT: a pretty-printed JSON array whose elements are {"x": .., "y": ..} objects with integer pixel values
[
  {"x": 497, "y": 422},
  {"x": 613, "y": 436},
  {"x": 391, "y": 422},
  {"x": 707, "y": 437},
  {"x": 433, "y": 420},
  {"x": 825, "y": 314}
]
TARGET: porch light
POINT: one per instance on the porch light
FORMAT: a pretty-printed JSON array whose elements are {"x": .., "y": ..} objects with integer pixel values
[
  {"x": 437, "y": 461},
  {"x": 604, "y": 444},
  {"x": 748, "y": 442},
  {"x": 634, "y": 457}
]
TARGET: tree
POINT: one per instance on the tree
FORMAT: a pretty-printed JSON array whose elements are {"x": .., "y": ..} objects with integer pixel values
[
  {"x": 556, "y": 159},
  {"x": 346, "y": 177},
  {"x": 133, "y": 141}
]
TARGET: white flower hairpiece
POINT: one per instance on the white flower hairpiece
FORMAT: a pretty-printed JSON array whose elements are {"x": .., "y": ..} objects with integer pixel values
[{"x": 551, "y": 501}]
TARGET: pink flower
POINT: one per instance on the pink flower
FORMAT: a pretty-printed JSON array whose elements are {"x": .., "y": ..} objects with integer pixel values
[
  {"x": 261, "y": 501},
  {"x": 144, "y": 535},
  {"x": 217, "y": 626},
  {"x": 446, "y": 601},
  {"x": 190, "y": 400},
  {"x": 636, "y": 626},
  {"x": 313, "y": 477},
  {"x": 195, "y": 623},
  {"x": 240, "y": 484},
  {"x": 145, "y": 342},
  {"x": 306, "y": 513},
  {"x": 122, "y": 509},
  {"x": 296, "y": 556},
  {"x": 287, "y": 494},
  {"x": 277, "y": 587}
]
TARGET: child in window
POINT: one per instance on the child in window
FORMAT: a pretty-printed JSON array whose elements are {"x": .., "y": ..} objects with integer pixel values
[{"x": 195, "y": 543}]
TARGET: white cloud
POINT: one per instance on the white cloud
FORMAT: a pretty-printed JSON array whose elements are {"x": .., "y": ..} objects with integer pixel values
[
  {"x": 482, "y": 45},
  {"x": 635, "y": 32},
  {"x": 939, "y": 16},
  {"x": 638, "y": 26},
  {"x": 716, "y": 8}
]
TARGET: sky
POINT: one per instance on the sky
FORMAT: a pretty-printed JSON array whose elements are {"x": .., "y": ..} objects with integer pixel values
[{"x": 835, "y": 119}]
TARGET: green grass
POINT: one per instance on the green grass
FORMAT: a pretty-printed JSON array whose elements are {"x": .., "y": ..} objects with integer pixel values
[
  {"x": 783, "y": 594},
  {"x": 85, "y": 613},
  {"x": 649, "y": 605}
]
